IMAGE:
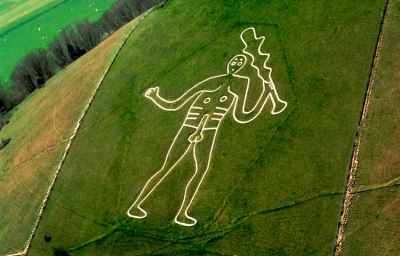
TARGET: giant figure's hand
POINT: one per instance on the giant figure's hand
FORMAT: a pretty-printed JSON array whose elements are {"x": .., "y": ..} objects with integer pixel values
[{"x": 151, "y": 93}]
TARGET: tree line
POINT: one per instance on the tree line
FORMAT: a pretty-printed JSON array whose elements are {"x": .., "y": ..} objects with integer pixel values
[{"x": 72, "y": 42}]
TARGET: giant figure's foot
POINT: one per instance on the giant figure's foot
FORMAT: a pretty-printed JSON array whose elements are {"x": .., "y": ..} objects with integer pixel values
[
  {"x": 279, "y": 107},
  {"x": 185, "y": 220},
  {"x": 137, "y": 212}
]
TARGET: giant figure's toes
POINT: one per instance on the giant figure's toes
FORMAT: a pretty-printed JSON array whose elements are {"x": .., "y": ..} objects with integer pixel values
[
  {"x": 186, "y": 221},
  {"x": 279, "y": 107},
  {"x": 137, "y": 213}
]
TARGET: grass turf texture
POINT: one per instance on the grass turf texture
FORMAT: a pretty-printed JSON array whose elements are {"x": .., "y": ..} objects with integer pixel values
[
  {"x": 39, "y": 131},
  {"x": 275, "y": 185},
  {"x": 14, "y": 13},
  {"x": 374, "y": 221},
  {"x": 23, "y": 36}
]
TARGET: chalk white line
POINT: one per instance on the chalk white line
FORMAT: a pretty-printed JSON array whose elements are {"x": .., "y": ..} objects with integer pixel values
[
  {"x": 192, "y": 126},
  {"x": 219, "y": 114},
  {"x": 170, "y": 169},
  {"x": 27, "y": 244},
  {"x": 195, "y": 94},
  {"x": 222, "y": 108}
]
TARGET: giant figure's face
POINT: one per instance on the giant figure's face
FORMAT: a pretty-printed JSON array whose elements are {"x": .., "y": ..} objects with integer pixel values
[{"x": 236, "y": 63}]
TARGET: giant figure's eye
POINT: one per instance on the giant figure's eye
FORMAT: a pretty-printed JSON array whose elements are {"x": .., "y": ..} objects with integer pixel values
[
  {"x": 240, "y": 64},
  {"x": 233, "y": 63}
]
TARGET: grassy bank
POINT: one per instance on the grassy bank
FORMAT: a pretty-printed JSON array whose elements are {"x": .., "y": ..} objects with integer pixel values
[{"x": 39, "y": 131}]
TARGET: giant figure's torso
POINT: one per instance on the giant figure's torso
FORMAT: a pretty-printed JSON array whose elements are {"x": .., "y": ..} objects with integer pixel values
[{"x": 214, "y": 104}]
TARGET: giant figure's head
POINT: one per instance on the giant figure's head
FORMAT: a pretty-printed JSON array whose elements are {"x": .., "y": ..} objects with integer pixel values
[{"x": 236, "y": 64}]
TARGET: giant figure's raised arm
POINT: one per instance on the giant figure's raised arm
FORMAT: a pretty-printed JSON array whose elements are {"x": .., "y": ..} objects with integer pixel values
[
  {"x": 243, "y": 117},
  {"x": 208, "y": 85}
]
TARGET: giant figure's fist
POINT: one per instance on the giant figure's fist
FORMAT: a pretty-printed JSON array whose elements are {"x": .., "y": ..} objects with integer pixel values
[{"x": 151, "y": 93}]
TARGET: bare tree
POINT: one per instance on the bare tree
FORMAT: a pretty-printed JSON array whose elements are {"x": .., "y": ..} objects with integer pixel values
[
  {"x": 18, "y": 93},
  {"x": 42, "y": 66},
  {"x": 89, "y": 34},
  {"x": 59, "y": 50},
  {"x": 22, "y": 76},
  {"x": 3, "y": 100},
  {"x": 71, "y": 40},
  {"x": 34, "y": 70},
  {"x": 123, "y": 12},
  {"x": 110, "y": 21}
]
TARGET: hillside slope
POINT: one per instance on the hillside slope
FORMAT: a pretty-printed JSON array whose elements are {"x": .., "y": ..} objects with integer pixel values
[
  {"x": 275, "y": 185},
  {"x": 39, "y": 132}
]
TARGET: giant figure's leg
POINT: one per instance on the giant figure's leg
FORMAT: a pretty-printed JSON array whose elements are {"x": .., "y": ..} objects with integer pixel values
[
  {"x": 279, "y": 105},
  {"x": 179, "y": 148},
  {"x": 202, "y": 152}
]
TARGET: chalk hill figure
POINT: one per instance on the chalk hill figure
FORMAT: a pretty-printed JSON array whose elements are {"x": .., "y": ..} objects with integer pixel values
[{"x": 211, "y": 101}]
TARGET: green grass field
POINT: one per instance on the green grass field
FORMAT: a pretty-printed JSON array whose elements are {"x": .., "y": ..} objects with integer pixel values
[
  {"x": 39, "y": 132},
  {"x": 374, "y": 220},
  {"x": 15, "y": 13},
  {"x": 275, "y": 185},
  {"x": 22, "y": 35}
]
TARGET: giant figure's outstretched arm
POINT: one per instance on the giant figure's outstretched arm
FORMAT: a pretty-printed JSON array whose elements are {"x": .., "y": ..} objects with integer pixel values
[
  {"x": 243, "y": 117},
  {"x": 173, "y": 105}
]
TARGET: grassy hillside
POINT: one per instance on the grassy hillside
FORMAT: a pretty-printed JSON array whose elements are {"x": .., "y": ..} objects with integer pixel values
[
  {"x": 39, "y": 131},
  {"x": 23, "y": 35},
  {"x": 374, "y": 220},
  {"x": 275, "y": 185}
]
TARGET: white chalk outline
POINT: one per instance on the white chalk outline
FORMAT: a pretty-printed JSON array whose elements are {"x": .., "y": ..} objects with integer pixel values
[
  {"x": 197, "y": 90},
  {"x": 270, "y": 83}
]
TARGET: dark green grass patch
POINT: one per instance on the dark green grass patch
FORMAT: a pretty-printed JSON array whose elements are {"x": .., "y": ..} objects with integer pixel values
[{"x": 274, "y": 185}]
